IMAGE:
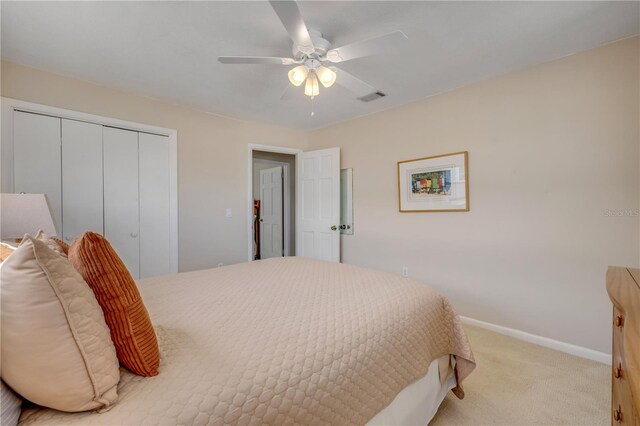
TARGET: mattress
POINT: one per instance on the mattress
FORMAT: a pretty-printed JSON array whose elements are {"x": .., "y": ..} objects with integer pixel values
[
  {"x": 418, "y": 403},
  {"x": 282, "y": 341}
]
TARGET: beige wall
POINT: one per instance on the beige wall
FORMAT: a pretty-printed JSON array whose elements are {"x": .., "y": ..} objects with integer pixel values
[
  {"x": 212, "y": 157},
  {"x": 552, "y": 149}
]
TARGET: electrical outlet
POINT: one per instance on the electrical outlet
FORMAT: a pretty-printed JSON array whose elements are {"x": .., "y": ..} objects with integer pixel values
[
  {"x": 228, "y": 212},
  {"x": 405, "y": 271},
  {"x": 220, "y": 264}
]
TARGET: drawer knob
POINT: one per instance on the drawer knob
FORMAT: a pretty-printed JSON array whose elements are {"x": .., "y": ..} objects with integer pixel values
[
  {"x": 617, "y": 414},
  {"x": 617, "y": 371},
  {"x": 619, "y": 321}
]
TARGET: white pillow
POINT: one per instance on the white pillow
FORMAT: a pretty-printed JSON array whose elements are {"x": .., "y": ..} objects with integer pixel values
[
  {"x": 10, "y": 406},
  {"x": 56, "y": 348}
]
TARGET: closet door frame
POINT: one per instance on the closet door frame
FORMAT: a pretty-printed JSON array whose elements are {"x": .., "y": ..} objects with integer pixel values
[{"x": 9, "y": 105}]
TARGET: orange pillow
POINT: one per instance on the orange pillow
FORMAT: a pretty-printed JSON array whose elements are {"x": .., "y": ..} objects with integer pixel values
[
  {"x": 131, "y": 329},
  {"x": 63, "y": 246}
]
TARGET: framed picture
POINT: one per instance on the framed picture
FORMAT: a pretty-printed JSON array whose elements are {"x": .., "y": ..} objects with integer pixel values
[{"x": 434, "y": 184}]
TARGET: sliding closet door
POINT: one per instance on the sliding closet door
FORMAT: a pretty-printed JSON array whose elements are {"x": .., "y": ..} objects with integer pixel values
[
  {"x": 155, "y": 242},
  {"x": 82, "y": 208},
  {"x": 36, "y": 153},
  {"x": 121, "y": 195}
]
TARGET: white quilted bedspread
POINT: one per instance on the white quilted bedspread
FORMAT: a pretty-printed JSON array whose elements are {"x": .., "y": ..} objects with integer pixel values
[{"x": 281, "y": 341}]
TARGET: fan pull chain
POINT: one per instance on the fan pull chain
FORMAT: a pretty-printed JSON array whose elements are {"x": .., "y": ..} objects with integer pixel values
[{"x": 312, "y": 111}]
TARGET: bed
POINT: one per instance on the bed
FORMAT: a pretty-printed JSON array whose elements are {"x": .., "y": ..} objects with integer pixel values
[{"x": 289, "y": 341}]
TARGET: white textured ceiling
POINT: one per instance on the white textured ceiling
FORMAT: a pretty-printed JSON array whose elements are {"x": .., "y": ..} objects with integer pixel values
[{"x": 169, "y": 50}]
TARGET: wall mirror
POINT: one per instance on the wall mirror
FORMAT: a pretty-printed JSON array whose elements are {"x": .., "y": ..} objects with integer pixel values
[{"x": 346, "y": 201}]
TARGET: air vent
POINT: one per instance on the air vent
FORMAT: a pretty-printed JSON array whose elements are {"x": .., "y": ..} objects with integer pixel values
[{"x": 372, "y": 96}]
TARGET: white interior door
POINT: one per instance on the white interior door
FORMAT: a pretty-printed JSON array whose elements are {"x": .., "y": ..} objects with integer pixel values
[
  {"x": 271, "y": 215},
  {"x": 155, "y": 238},
  {"x": 37, "y": 159},
  {"x": 318, "y": 200},
  {"x": 82, "y": 208},
  {"x": 121, "y": 215}
]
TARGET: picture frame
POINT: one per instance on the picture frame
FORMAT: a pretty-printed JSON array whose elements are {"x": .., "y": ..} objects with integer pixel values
[{"x": 439, "y": 183}]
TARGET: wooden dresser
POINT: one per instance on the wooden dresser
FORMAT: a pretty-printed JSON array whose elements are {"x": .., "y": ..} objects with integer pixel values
[{"x": 623, "y": 286}]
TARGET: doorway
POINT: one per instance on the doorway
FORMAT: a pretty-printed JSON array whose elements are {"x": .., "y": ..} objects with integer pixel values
[
  {"x": 311, "y": 222},
  {"x": 273, "y": 200}
]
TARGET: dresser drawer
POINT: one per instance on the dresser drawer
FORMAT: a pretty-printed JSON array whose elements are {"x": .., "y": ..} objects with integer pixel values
[
  {"x": 623, "y": 287},
  {"x": 618, "y": 336},
  {"x": 622, "y": 410}
]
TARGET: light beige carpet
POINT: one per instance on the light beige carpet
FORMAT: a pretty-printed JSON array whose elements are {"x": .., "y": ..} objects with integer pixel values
[{"x": 518, "y": 383}]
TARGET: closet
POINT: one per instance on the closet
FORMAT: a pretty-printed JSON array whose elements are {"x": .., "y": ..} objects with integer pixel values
[{"x": 98, "y": 178}]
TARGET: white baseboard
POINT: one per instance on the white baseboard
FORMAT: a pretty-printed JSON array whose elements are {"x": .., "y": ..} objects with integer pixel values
[{"x": 580, "y": 351}]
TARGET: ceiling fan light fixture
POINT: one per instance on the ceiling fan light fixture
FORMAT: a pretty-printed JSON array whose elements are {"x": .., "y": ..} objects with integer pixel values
[
  {"x": 326, "y": 76},
  {"x": 311, "y": 88},
  {"x": 297, "y": 75}
]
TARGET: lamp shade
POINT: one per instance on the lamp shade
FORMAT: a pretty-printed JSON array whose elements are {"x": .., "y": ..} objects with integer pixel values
[
  {"x": 297, "y": 75},
  {"x": 326, "y": 76},
  {"x": 311, "y": 87},
  {"x": 25, "y": 214}
]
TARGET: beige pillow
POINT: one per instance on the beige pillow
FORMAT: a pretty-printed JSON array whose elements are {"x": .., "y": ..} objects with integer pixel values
[
  {"x": 50, "y": 242},
  {"x": 56, "y": 349}
]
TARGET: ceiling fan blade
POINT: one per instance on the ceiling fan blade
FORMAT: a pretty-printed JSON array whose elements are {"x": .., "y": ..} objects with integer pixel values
[
  {"x": 289, "y": 14},
  {"x": 256, "y": 60},
  {"x": 352, "y": 83},
  {"x": 372, "y": 46}
]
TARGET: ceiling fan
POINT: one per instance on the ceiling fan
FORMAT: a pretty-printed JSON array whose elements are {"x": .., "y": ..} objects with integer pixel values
[{"x": 313, "y": 55}]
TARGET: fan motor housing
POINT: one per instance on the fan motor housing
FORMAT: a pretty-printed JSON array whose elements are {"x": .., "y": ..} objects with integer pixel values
[{"x": 321, "y": 45}]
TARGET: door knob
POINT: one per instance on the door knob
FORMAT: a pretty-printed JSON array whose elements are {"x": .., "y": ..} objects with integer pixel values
[
  {"x": 334, "y": 228},
  {"x": 134, "y": 235},
  {"x": 343, "y": 226}
]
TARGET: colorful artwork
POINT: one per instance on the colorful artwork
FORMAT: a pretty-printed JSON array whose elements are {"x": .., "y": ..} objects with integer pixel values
[
  {"x": 431, "y": 183},
  {"x": 434, "y": 184}
]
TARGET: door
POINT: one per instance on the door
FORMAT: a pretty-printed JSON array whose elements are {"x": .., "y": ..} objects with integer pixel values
[
  {"x": 82, "y": 208},
  {"x": 155, "y": 226},
  {"x": 271, "y": 214},
  {"x": 121, "y": 203},
  {"x": 37, "y": 159},
  {"x": 318, "y": 213}
]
